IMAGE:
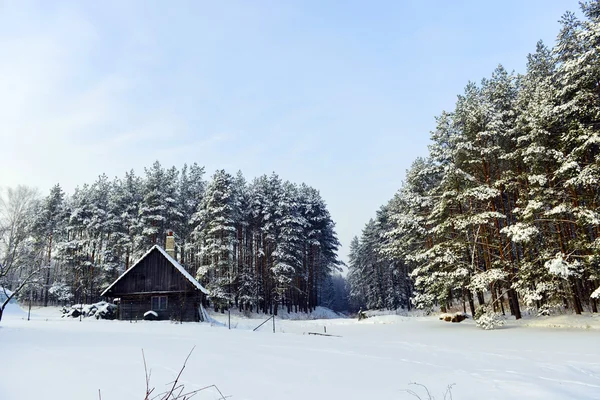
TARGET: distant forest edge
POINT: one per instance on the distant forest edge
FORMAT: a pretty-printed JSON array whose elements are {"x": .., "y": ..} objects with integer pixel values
[
  {"x": 257, "y": 246},
  {"x": 504, "y": 213}
]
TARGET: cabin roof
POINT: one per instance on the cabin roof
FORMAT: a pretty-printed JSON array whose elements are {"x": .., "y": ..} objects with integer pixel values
[{"x": 174, "y": 262}]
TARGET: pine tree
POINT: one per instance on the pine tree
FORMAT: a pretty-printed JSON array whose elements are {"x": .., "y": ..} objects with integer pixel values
[
  {"x": 289, "y": 246},
  {"x": 189, "y": 196},
  {"x": 158, "y": 210},
  {"x": 49, "y": 227},
  {"x": 355, "y": 277},
  {"x": 216, "y": 237}
]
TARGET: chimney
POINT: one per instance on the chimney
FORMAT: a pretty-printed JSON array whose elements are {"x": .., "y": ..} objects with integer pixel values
[{"x": 170, "y": 244}]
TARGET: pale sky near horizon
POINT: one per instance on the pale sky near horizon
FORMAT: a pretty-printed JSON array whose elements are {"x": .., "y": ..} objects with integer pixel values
[{"x": 340, "y": 95}]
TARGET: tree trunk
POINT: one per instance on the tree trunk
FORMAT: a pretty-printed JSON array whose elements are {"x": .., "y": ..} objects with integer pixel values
[
  {"x": 46, "y": 292},
  {"x": 515, "y": 303},
  {"x": 471, "y": 303},
  {"x": 576, "y": 300},
  {"x": 494, "y": 297},
  {"x": 480, "y": 298},
  {"x": 501, "y": 297}
]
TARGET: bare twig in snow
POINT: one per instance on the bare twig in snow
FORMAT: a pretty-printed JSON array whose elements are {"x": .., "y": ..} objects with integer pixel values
[
  {"x": 177, "y": 390},
  {"x": 449, "y": 391},
  {"x": 429, "y": 396}
]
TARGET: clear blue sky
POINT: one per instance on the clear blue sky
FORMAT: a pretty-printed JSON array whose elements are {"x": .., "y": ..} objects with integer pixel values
[{"x": 338, "y": 94}]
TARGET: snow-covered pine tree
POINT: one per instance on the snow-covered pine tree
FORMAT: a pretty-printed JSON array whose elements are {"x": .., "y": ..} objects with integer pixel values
[
  {"x": 537, "y": 150},
  {"x": 406, "y": 229},
  {"x": 441, "y": 266},
  {"x": 190, "y": 193},
  {"x": 578, "y": 110},
  {"x": 262, "y": 193},
  {"x": 216, "y": 237},
  {"x": 126, "y": 201},
  {"x": 289, "y": 246},
  {"x": 320, "y": 245},
  {"x": 98, "y": 231},
  {"x": 158, "y": 209},
  {"x": 49, "y": 230},
  {"x": 246, "y": 284},
  {"x": 74, "y": 249},
  {"x": 356, "y": 277}
]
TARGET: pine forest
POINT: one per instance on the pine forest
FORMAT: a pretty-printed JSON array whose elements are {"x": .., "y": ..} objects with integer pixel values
[
  {"x": 255, "y": 246},
  {"x": 503, "y": 215}
]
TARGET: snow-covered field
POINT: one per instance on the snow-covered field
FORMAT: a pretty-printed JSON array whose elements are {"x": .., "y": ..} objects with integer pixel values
[{"x": 53, "y": 358}]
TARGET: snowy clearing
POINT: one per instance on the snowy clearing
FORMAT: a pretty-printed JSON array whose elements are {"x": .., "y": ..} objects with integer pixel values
[{"x": 55, "y": 358}]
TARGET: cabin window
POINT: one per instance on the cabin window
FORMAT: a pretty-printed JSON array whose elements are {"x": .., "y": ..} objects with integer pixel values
[{"x": 159, "y": 303}]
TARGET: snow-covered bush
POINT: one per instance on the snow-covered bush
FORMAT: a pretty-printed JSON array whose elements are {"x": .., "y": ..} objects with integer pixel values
[
  {"x": 100, "y": 310},
  {"x": 60, "y": 291},
  {"x": 486, "y": 318},
  {"x": 544, "y": 310},
  {"x": 560, "y": 267}
]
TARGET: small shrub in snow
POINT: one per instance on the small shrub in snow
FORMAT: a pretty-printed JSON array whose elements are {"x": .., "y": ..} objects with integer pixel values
[
  {"x": 543, "y": 311},
  {"x": 487, "y": 319}
]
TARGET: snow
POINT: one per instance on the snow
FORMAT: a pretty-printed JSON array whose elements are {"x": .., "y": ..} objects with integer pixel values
[
  {"x": 13, "y": 309},
  {"x": 4, "y": 294},
  {"x": 150, "y": 313},
  {"x": 373, "y": 358},
  {"x": 483, "y": 280},
  {"x": 520, "y": 232},
  {"x": 558, "y": 266},
  {"x": 317, "y": 313},
  {"x": 538, "y": 179}
]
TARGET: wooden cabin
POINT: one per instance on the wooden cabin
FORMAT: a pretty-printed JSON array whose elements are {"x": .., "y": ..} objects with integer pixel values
[{"x": 157, "y": 282}]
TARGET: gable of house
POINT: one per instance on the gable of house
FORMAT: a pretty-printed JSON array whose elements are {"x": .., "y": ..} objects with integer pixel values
[{"x": 155, "y": 272}]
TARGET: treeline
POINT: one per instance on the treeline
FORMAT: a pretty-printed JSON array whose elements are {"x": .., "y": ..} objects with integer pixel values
[
  {"x": 257, "y": 245},
  {"x": 504, "y": 213}
]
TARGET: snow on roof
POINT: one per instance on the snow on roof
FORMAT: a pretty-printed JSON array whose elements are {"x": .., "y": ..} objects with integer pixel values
[
  {"x": 174, "y": 262},
  {"x": 182, "y": 270}
]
